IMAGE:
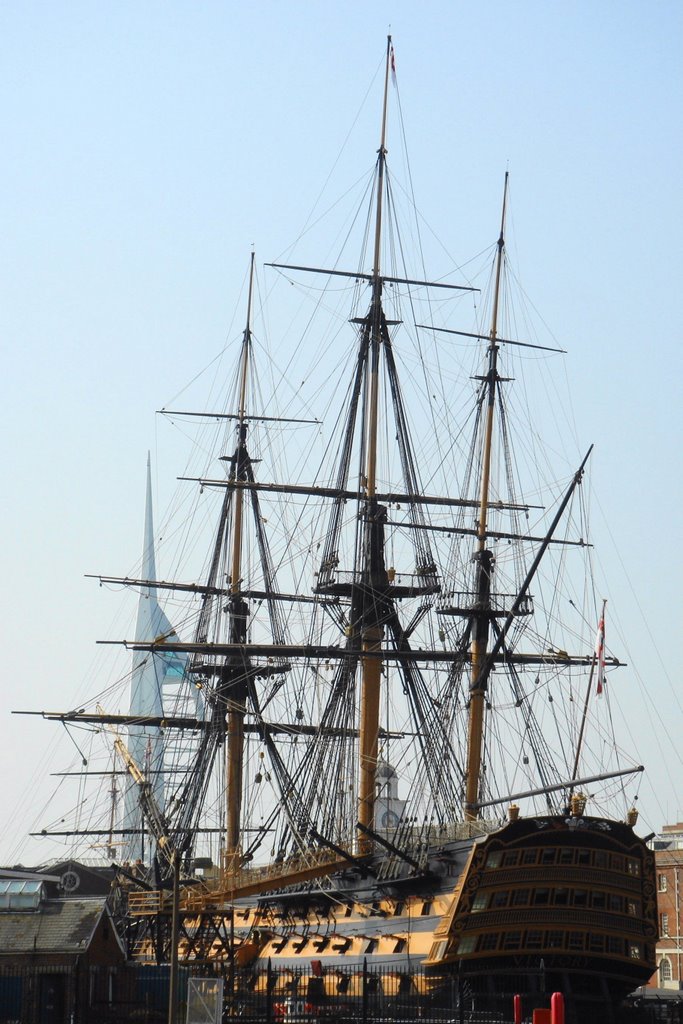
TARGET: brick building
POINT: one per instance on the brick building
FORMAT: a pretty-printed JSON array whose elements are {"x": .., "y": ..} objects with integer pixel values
[{"x": 668, "y": 849}]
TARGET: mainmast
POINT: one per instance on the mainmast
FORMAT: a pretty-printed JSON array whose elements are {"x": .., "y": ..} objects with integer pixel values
[
  {"x": 238, "y": 612},
  {"x": 483, "y": 558},
  {"x": 373, "y": 568},
  {"x": 364, "y": 600}
]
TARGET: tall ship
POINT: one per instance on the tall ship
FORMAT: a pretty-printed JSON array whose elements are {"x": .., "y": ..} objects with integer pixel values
[{"x": 373, "y": 737}]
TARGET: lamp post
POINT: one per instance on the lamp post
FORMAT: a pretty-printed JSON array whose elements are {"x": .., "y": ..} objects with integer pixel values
[{"x": 173, "y": 984}]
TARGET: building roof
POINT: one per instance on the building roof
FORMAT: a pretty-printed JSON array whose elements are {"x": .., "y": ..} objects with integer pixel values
[
  {"x": 79, "y": 879},
  {"x": 60, "y": 926},
  {"x": 663, "y": 995},
  {"x": 67, "y": 877}
]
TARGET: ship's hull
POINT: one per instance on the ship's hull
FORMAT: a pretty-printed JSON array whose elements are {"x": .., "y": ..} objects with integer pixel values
[{"x": 540, "y": 905}]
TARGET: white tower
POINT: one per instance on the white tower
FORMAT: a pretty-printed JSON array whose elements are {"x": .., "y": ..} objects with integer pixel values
[
  {"x": 389, "y": 810},
  {"x": 145, "y": 743}
]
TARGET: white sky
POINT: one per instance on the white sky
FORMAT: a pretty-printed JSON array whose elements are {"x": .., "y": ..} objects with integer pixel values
[{"x": 145, "y": 147}]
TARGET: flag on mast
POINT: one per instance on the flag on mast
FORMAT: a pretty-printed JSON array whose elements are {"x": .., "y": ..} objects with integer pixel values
[
  {"x": 600, "y": 651},
  {"x": 393, "y": 64}
]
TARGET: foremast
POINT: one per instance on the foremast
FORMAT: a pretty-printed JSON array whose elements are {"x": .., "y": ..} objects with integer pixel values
[{"x": 483, "y": 558}]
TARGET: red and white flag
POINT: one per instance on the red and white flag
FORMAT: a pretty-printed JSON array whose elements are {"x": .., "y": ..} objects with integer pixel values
[{"x": 600, "y": 651}]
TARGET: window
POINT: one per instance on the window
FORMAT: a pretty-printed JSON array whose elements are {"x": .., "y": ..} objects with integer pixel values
[
  {"x": 528, "y": 856},
  {"x": 494, "y": 858},
  {"x": 488, "y": 942},
  {"x": 565, "y": 857},
  {"x": 520, "y": 897},
  {"x": 661, "y": 883},
  {"x": 583, "y": 857},
  {"x": 534, "y": 939},
  {"x": 541, "y": 897},
  {"x": 510, "y": 858},
  {"x": 600, "y": 859},
  {"x": 634, "y": 950},
  {"x": 16, "y": 894},
  {"x": 664, "y": 924},
  {"x": 561, "y": 897},
  {"x": 547, "y": 856},
  {"x": 466, "y": 944},
  {"x": 500, "y": 899},
  {"x": 599, "y": 900},
  {"x": 664, "y": 970},
  {"x": 555, "y": 939},
  {"x": 480, "y": 902},
  {"x": 576, "y": 940},
  {"x": 580, "y": 898},
  {"x": 512, "y": 940},
  {"x": 633, "y": 866},
  {"x": 438, "y": 949}
]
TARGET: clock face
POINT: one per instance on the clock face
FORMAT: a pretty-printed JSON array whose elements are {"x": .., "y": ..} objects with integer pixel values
[
  {"x": 69, "y": 881},
  {"x": 389, "y": 819}
]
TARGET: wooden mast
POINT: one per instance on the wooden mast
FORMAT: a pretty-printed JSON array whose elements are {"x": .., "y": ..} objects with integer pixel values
[
  {"x": 589, "y": 687},
  {"x": 238, "y": 612},
  {"x": 372, "y": 557},
  {"x": 483, "y": 558}
]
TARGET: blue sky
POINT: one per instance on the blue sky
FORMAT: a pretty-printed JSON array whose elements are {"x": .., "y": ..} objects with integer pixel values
[{"x": 147, "y": 146}]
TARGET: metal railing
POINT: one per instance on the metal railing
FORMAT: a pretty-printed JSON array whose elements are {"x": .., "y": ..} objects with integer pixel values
[{"x": 137, "y": 994}]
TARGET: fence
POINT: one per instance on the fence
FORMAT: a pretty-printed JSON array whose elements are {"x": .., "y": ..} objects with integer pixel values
[{"x": 137, "y": 994}]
